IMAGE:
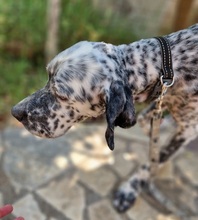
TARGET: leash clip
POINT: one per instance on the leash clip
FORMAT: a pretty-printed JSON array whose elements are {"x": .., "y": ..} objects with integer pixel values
[{"x": 167, "y": 82}]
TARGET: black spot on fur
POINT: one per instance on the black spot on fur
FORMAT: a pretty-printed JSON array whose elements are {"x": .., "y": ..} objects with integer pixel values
[
  {"x": 129, "y": 50},
  {"x": 143, "y": 183},
  {"x": 93, "y": 87},
  {"x": 135, "y": 184},
  {"x": 174, "y": 146},
  {"x": 103, "y": 61},
  {"x": 194, "y": 61},
  {"x": 67, "y": 76},
  {"x": 83, "y": 67},
  {"x": 181, "y": 50},
  {"x": 56, "y": 107},
  {"x": 71, "y": 114},
  {"x": 80, "y": 118},
  {"x": 89, "y": 98},
  {"x": 83, "y": 93},
  {"x": 185, "y": 57},
  {"x": 93, "y": 107},
  {"x": 67, "y": 90},
  {"x": 113, "y": 57},
  {"x": 189, "y": 77},
  {"x": 195, "y": 93},
  {"x": 53, "y": 116},
  {"x": 145, "y": 167},
  {"x": 154, "y": 59},
  {"x": 80, "y": 99},
  {"x": 56, "y": 123},
  {"x": 155, "y": 140}
]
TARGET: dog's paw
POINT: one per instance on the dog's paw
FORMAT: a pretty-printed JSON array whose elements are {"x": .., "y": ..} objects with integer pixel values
[
  {"x": 126, "y": 195},
  {"x": 122, "y": 200}
]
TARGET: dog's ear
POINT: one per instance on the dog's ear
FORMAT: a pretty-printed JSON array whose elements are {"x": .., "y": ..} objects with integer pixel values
[{"x": 120, "y": 110}]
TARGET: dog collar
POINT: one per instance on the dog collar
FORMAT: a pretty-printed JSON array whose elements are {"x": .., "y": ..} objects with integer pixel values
[{"x": 166, "y": 74}]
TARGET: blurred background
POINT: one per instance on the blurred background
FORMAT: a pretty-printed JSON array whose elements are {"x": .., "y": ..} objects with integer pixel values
[{"x": 73, "y": 177}]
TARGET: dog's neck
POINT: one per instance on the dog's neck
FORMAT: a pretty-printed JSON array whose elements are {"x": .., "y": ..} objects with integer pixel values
[{"x": 143, "y": 65}]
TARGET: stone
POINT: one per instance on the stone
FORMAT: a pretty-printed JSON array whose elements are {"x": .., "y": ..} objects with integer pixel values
[
  {"x": 103, "y": 210},
  {"x": 100, "y": 181},
  {"x": 138, "y": 152},
  {"x": 187, "y": 166},
  {"x": 28, "y": 208},
  {"x": 166, "y": 172},
  {"x": 123, "y": 166},
  {"x": 89, "y": 138},
  {"x": 86, "y": 162},
  {"x": 187, "y": 193},
  {"x": 66, "y": 196},
  {"x": 132, "y": 134},
  {"x": 142, "y": 211},
  {"x": 178, "y": 193},
  {"x": 89, "y": 150},
  {"x": 120, "y": 145},
  {"x": 26, "y": 154},
  {"x": 167, "y": 217}
]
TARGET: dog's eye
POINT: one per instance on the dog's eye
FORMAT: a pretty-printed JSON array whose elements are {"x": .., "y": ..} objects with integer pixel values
[{"x": 63, "y": 98}]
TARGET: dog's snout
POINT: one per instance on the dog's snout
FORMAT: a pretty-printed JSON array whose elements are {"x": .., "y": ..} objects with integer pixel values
[{"x": 18, "y": 112}]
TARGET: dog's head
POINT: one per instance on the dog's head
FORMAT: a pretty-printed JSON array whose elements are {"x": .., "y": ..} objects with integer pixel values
[{"x": 80, "y": 85}]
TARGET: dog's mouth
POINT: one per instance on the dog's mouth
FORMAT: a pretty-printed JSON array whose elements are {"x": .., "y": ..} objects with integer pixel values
[{"x": 37, "y": 131}]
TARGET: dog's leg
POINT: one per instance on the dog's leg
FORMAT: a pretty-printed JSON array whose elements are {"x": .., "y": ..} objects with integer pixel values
[
  {"x": 144, "y": 118},
  {"x": 130, "y": 190}
]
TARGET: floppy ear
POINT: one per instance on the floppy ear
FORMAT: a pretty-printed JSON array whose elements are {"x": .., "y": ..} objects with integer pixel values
[
  {"x": 119, "y": 110},
  {"x": 126, "y": 119}
]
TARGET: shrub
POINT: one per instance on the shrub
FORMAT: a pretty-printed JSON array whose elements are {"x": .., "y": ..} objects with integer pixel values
[{"x": 23, "y": 34}]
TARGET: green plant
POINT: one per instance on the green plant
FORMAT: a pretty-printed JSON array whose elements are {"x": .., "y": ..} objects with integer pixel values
[
  {"x": 23, "y": 35},
  {"x": 17, "y": 81},
  {"x": 81, "y": 21}
]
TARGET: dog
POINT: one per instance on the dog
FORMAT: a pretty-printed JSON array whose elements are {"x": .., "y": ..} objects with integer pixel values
[{"x": 93, "y": 78}]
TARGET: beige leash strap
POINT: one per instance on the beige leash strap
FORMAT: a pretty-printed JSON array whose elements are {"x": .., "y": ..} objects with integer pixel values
[{"x": 154, "y": 151}]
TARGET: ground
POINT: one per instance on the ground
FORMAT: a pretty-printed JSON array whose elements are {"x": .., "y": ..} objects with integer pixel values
[{"x": 73, "y": 177}]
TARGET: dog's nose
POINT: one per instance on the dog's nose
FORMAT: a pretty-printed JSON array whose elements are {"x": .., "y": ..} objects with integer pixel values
[{"x": 18, "y": 113}]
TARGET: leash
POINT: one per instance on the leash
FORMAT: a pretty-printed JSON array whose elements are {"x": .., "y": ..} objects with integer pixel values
[{"x": 166, "y": 81}]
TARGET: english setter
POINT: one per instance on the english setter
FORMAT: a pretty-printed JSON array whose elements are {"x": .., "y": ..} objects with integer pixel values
[{"x": 92, "y": 78}]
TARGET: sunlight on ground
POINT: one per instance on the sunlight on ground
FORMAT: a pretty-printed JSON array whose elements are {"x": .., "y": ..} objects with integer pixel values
[
  {"x": 61, "y": 162},
  {"x": 88, "y": 163}
]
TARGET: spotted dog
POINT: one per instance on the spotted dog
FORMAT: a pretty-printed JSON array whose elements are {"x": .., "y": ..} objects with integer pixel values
[{"x": 92, "y": 78}]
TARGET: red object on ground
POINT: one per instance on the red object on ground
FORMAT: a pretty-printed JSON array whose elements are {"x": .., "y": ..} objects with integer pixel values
[
  {"x": 19, "y": 218},
  {"x": 5, "y": 210}
]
